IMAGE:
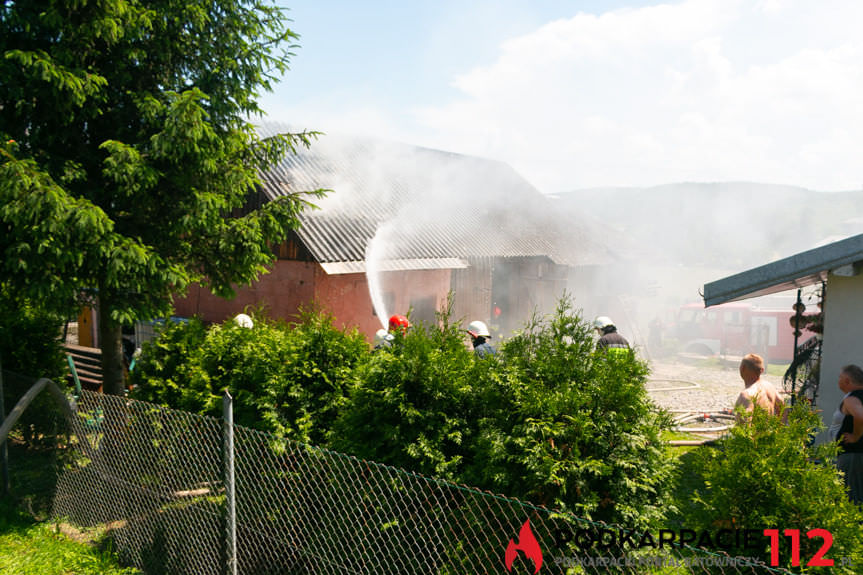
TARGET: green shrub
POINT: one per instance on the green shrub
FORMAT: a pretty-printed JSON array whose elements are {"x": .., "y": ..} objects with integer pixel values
[
  {"x": 163, "y": 373},
  {"x": 550, "y": 419},
  {"x": 30, "y": 342},
  {"x": 565, "y": 425},
  {"x": 286, "y": 379},
  {"x": 30, "y": 348},
  {"x": 766, "y": 475},
  {"x": 318, "y": 370},
  {"x": 410, "y": 406}
]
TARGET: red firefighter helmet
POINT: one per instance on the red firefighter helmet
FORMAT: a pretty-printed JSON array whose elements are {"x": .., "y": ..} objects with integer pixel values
[{"x": 399, "y": 323}]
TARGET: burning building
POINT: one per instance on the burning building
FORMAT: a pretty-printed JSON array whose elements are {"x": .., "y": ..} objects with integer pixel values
[{"x": 403, "y": 226}]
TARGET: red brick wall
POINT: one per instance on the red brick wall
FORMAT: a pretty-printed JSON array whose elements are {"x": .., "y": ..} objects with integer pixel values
[
  {"x": 281, "y": 292},
  {"x": 346, "y": 296}
]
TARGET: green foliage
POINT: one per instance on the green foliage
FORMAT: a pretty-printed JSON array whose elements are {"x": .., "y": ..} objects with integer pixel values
[
  {"x": 125, "y": 148},
  {"x": 320, "y": 368},
  {"x": 29, "y": 337},
  {"x": 287, "y": 379},
  {"x": 412, "y": 403},
  {"x": 766, "y": 475},
  {"x": 30, "y": 348},
  {"x": 549, "y": 420},
  {"x": 163, "y": 373},
  {"x": 572, "y": 427}
]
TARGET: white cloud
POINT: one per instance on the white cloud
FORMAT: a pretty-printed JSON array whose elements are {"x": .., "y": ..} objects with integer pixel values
[{"x": 700, "y": 90}]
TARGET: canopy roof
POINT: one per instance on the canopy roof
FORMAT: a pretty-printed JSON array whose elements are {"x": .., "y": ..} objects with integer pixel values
[{"x": 800, "y": 270}]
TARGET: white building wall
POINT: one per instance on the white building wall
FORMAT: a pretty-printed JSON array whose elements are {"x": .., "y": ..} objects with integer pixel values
[{"x": 843, "y": 339}]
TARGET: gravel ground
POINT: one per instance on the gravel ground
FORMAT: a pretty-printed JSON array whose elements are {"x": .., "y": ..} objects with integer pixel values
[{"x": 717, "y": 387}]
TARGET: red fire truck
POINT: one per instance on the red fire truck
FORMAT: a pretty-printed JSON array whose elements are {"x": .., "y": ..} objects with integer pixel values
[{"x": 737, "y": 329}]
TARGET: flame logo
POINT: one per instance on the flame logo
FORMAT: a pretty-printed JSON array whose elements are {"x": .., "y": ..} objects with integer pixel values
[{"x": 527, "y": 543}]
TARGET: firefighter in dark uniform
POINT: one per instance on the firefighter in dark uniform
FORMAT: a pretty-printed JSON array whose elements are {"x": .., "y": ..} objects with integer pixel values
[{"x": 609, "y": 339}]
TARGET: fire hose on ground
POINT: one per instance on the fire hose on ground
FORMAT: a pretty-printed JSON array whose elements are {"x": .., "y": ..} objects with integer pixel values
[
  {"x": 688, "y": 385},
  {"x": 686, "y": 416}
]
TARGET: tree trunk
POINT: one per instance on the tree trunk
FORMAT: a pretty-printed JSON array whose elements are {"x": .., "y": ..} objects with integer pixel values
[{"x": 110, "y": 341}]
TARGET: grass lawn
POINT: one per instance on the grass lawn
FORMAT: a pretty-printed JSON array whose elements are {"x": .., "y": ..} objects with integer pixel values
[
  {"x": 31, "y": 544},
  {"x": 777, "y": 370},
  {"x": 31, "y": 547},
  {"x": 678, "y": 451},
  {"x": 671, "y": 435}
]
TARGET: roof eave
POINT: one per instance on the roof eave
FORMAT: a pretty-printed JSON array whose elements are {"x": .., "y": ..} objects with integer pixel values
[
  {"x": 352, "y": 267},
  {"x": 800, "y": 270}
]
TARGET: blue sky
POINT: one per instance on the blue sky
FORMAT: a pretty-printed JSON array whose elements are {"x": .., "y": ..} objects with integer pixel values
[
  {"x": 582, "y": 94},
  {"x": 402, "y": 53}
]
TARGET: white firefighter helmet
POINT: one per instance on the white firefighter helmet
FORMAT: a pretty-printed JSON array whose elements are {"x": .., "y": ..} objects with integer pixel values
[
  {"x": 478, "y": 329},
  {"x": 383, "y": 335},
  {"x": 244, "y": 321},
  {"x": 602, "y": 322}
]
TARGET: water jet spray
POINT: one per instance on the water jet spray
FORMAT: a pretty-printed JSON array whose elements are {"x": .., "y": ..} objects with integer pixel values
[{"x": 376, "y": 253}]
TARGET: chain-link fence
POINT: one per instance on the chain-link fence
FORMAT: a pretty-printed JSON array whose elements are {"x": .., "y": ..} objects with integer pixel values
[{"x": 161, "y": 482}]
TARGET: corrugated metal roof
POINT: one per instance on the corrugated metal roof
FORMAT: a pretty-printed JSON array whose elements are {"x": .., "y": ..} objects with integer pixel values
[
  {"x": 422, "y": 205},
  {"x": 800, "y": 270}
]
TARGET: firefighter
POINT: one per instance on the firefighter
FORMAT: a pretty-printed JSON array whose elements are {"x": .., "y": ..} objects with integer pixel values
[
  {"x": 478, "y": 332},
  {"x": 383, "y": 339},
  {"x": 399, "y": 324},
  {"x": 609, "y": 339}
]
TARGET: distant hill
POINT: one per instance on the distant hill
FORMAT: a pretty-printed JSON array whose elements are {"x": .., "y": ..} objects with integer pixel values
[{"x": 733, "y": 225}]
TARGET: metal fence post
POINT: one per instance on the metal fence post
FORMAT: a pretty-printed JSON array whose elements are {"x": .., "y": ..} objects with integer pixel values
[
  {"x": 230, "y": 495},
  {"x": 4, "y": 453}
]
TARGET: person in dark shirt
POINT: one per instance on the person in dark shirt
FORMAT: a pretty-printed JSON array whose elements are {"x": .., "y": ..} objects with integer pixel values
[
  {"x": 850, "y": 434},
  {"x": 478, "y": 332},
  {"x": 609, "y": 339}
]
